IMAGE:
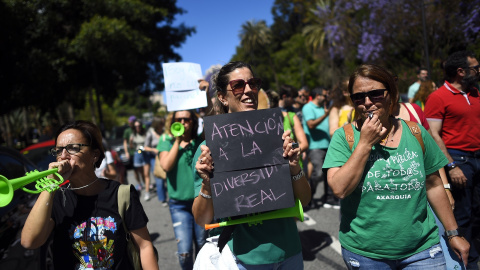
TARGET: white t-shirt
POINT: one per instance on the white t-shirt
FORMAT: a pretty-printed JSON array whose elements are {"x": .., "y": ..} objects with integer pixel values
[{"x": 107, "y": 160}]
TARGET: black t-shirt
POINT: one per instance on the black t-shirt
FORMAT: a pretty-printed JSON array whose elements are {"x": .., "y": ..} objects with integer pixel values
[{"x": 89, "y": 233}]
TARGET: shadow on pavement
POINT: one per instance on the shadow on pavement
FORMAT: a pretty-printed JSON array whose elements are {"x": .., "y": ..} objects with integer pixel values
[
  {"x": 312, "y": 242},
  {"x": 154, "y": 236}
]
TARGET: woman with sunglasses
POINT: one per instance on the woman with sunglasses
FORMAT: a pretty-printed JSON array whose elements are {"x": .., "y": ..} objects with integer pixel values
[
  {"x": 88, "y": 230},
  {"x": 176, "y": 155},
  {"x": 386, "y": 183},
  {"x": 275, "y": 242}
]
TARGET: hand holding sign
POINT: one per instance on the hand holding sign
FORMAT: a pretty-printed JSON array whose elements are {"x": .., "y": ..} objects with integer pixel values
[{"x": 251, "y": 173}]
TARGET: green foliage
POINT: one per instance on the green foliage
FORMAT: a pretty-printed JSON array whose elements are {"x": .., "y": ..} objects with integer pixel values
[
  {"x": 54, "y": 51},
  {"x": 339, "y": 35}
]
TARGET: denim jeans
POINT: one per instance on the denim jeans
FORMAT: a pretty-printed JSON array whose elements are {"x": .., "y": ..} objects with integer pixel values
[
  {"x": 467, "y": 200},
  {"x": 186, "y": 231},
  {"x": 431, "y": 258},
  {"x": 138, "y": 159},
  {"x": 293, "y": 263},
  {"x": 159, "y": 182}
]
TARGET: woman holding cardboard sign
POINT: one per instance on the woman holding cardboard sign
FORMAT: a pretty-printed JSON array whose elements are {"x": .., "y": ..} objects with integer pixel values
[{"x": 275, "y": 241}]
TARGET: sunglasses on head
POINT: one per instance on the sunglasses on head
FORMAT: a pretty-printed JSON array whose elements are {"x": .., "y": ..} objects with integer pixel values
[
  {"x": 376, "y": 95},
  {"x": 238, "y": 86}
]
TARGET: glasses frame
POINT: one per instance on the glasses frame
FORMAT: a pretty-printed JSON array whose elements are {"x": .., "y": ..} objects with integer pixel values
[
  {"x": 359, "y": 98},
  {"x": 254, "y": 83},
  {"x": 475, "y": 68},
  {"x": 55, "y": 152}
]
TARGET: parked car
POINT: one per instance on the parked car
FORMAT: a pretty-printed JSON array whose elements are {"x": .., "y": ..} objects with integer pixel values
[
  {"x": 39, "y": 154},
  {"x": 13, "y": 256}
]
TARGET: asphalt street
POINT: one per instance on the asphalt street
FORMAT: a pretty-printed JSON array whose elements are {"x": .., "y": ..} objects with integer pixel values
[{"x": 318, "y": 234}]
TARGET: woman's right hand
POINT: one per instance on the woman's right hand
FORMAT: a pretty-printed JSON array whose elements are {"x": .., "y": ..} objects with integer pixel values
[
  {"x": 372, "y": 131},
  {"x": 204, "y": 165},
  {"x": 65, "y": 167}
]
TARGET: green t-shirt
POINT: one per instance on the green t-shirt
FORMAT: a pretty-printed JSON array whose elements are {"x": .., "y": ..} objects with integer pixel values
[
  {"x": 387, "y": 215},
  {"x": 126, "y": 136},
  {"x": 271, "y": 242},
  {"x": 180, "y": 178}
]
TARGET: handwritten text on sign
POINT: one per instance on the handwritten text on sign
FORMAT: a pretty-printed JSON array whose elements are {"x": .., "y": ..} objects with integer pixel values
[{"x": 251, "y": 175}]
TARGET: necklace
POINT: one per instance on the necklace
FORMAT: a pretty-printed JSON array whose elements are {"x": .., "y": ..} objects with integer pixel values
[
  {"x": 69, "y": 188},
  {"x": 77, "y": 188},
  {"x": 385, "y": 141}
]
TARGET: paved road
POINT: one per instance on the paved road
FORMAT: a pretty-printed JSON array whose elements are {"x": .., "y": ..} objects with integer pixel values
[{"x": 319, "y": 234}]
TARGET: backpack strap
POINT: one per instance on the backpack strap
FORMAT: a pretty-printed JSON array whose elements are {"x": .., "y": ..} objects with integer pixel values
[
  {"x": 123, "y": 194},
  {"x": 417, "y": 132},
  {"x": 414, "y": 129},
  {"x": 349, "y": 135}
]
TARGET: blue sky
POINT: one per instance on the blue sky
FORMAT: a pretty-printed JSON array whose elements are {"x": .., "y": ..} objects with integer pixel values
[{"x": 218, "y": 24}]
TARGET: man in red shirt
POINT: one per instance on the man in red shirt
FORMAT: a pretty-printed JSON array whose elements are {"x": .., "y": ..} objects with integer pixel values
[{"x": 453, "y": 112}]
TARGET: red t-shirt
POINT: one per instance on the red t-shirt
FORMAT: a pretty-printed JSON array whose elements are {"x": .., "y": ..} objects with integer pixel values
[{"x": 460, "y": 115}]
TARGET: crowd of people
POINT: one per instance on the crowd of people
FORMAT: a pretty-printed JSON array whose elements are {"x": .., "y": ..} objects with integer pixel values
[{"x": 402, "y": 171}]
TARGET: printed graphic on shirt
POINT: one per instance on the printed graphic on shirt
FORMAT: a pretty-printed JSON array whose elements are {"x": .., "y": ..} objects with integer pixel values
[
  {"x": 93, "y": 244},
  {"x": 394, "y": 177}
]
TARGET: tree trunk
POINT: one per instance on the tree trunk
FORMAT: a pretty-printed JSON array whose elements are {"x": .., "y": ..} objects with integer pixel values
[
  {"x": 6, "y": 131},
  {"x": 71, "y": 112},
  {"x": 25, "y": 121},
  {"x": 92, "y": 105}
]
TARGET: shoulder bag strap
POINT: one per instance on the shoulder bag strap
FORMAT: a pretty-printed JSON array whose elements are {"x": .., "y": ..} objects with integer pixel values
[
  {"x": 349, "y": 135},
  {"x": 417, "y": 132},
  {"x": 123, "y": 202}
]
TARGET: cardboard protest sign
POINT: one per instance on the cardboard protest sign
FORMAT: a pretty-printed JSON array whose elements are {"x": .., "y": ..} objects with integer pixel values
[
  {"x": 181, "y": 86},
  {"x": 251, "y": 175}
]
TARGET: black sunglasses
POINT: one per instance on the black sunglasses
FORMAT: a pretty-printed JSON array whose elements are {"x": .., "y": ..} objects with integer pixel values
[
  {"x": 238, "y": 86},
  {"x": 376, "y": 95},
  {"x": 72, "y": 149},
  {"x": 179, "y": 119}
]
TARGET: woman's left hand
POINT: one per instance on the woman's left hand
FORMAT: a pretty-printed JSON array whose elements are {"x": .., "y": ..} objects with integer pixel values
[
  {"x": 461, "y": 247},
  {"x": 293, "y": 154}
]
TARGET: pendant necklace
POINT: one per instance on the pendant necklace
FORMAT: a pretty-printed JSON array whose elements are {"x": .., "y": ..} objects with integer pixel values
[
  {"x": 77, "y": 188},
  {"x": 385, "y": 141}
]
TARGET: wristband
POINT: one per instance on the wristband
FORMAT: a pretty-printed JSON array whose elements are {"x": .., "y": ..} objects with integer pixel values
[
  {"x": 446, "y": 186},
  {"x": 298, "y": 176},
  {"x": 451, "y": 165},
  {"x": 204, "y": 195}
]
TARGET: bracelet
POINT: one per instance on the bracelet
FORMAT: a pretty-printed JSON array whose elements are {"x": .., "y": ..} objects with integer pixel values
[
  {"x": 446, "y": 186},
  {"x": 298, "y": 176},
  {"x": 452, "y": 236},
  {"x": 204, "y": 195}
]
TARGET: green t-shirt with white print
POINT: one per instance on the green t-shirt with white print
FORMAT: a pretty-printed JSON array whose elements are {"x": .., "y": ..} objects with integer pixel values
[{"x": 387, "y": 215}]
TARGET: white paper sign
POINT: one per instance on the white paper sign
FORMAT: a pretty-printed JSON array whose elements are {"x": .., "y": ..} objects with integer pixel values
[
  {"x": 181, "y": 76},
  {"x": 181, "y": 86},
  {"x": 185, "y": 100}
]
